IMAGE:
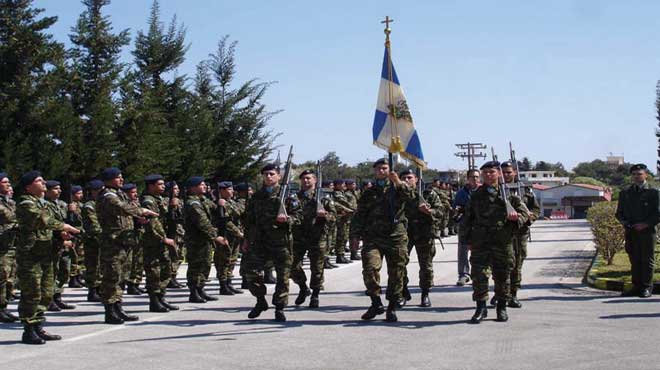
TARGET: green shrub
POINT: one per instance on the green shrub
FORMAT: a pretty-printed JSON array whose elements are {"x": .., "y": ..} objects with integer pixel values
[{"x": 608, "y": 232}]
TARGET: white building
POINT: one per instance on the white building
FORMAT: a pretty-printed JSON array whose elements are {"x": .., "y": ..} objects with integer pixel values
[
  {"x": 545, "y": 178},
  {"x": 573, "y": 200}
]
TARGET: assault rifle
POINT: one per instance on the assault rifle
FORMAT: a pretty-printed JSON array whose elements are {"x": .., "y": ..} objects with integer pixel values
[
  {"x": 420, "y": 193},
  {"x": 284, "y": 188},
  {"x": 319, "y": 190},
  {"x": 504, "y": 194},
  {"x": 520, "y": 188}
]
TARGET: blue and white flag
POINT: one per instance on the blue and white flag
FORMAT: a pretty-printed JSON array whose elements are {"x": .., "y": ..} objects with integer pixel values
[{"x": 393, "y": 123}]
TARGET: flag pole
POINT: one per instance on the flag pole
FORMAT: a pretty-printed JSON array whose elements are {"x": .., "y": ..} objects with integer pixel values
[{"x": 394, "y": 148}]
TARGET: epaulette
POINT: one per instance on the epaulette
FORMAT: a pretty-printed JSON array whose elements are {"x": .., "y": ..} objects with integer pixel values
[
  {"x": 196, "y": 202},
  {"x": 27, "y": 201},
  {"x": 110, "y": 194}
]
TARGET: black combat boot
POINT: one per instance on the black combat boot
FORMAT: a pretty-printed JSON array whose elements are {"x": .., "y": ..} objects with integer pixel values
[
  {"x": 302, "y": 294},
  {"x": 132, "y": 289},
  {"x": 244, "y": 283},
  {"x": 7, "y": 317},
  {"x": 260, "y": 307},
  {"x": 164, "y": 302},
  {"x": 93, "y": 295},
  {"x": 375, "y": 309},
  {"x": 74, "y": 283},
  {"x": 202, "y": 293},
  {"x": 314, "y": 301},
  {"x": 122, "y": 314},
  {"x": 57, "y": 298},
  {"x": 327, "y": 264},
  {"x": 493, "y": 301},
  {"x": 279, "y": 313},
  {"x": 155, "y": 305},
  {"x": 502, "y": 316},
  {"x": 269, "y": 276},
  {"x": 224, "y": 289},
  {"x": 52, "y": 307},
  {"x": 406, "y": 293},
  {"x": 194, "y": 295},
  {"x": 30, "y": 335},
  {"x": 480, "y": 314},
  {"x": 81, "y": 280},
  {"x": 231, "y": 287},
  {"x": 355, "y": 256},
  {"x": 111, "y": 316},
  {"x": 341, "y": 259},
  {"x": 39, "y": 329},
  {"x": 514, "y": 302},
  {"x": 390, "y": 315},
  {"x": 426, "y": 301}
]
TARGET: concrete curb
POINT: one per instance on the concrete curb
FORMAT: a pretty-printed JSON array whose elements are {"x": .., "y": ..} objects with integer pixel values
[{"x": 608, "y": 284}]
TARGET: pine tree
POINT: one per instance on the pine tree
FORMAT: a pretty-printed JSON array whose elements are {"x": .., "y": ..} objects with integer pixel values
[{"x": 95, "y": 58}]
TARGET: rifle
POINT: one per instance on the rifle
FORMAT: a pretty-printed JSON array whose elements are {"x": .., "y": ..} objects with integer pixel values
[
  {"x": 420, "y": 193},
  {"x": 319, "y": 190},
  {"x": 284, "y": 189},
  {"x": 520, "y": 189},
  {"x": 503, "y": 188}
]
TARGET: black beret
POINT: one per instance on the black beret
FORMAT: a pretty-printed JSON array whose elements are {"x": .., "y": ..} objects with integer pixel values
[
  {"x": 129, "y": 186},
  {"x": 76, "y": 188},
  {"x": 490, "y": 164},
  {"x": 326, "y": 183},
  {"x": 242, "y": 186},
  {"x": 305, "y": 173},
  {"x": 637, "y": 167},
  {"x": 95, "y": 184},
  {"x": 506, "y": 164},
  {"x": 170, "y": 184},
  {"x": 152, "y": 179},
  {"x": 350, "y": 181},
  {"x": 407, "y": 172},
  {"x": 110, "y": 173},
  {"x": 194, "y": 181},
  {"x": 437, "y": 179},
  {"x": 380, "y": 162},
  {"x": 225, "y": 184},
  {"x": 52, "y": 183},
  {"x": 28, "y": 178},
  {"x": 338, "y": 181},
  {"x": 3, "y": 175},
  {"x": 271, "y": 167},
  {"x": 365, "y": 182}
]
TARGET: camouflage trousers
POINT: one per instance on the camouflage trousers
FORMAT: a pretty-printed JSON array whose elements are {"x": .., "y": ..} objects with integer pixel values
[
  {"x": 62, "y": 269},
  {"x": 134, "y": 265},
  {"x": 78, "y": 259},
  {"x": 395, "y": 252},
  {"x": 7, "y": 269},
  {"x": 316, "y": 253},
  {"x": 343, "y": 227},
  {"x": 157, "y": 267},
  {"x": 331, "y": 238},
  {"x": 35, "y": 271},
  {"x": 225, "y": 259},
  {"x": 425, "y": 248},
  {"x": 519, "y": 243},
  {"x": 177, "y": 255},
  {"x": 495, "y": 255},
  {"x": 281, "y": 255},
  {"x": 114, "y": 254},
  {"x": 92, "y": 257},
  {"x": 199, "y": 256}
]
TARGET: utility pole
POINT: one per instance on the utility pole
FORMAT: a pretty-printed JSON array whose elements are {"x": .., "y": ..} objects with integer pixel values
[{"x": 470, "y": 152}]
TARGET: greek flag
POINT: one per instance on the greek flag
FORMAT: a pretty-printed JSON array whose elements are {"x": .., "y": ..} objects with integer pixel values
[{"x": 393, "y": 128}]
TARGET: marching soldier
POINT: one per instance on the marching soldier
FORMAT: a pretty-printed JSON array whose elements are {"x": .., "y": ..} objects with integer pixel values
[
  {"x": 438, "y": 187},
  {"x": 35, "y": 256},
  {"x": 488, "y": 231},
  {"x": 309, "y": 237},
  {"x": 268, "y": 234},
  {"x": 115, "y": 214},
  {"x": 134, "y": 267},
  {"x": 345, "y": 209},
  {"x": 380, "y": 222},
  {"x": 638, "y": 212},
  {"x": 331, "y": 237},
  {"x": 352, "y": 194},
  {"x": 244, "y": 194},
  {"x": 175, "y": 230},
  {"x": 422, "y": 214},
  {"x": 229, "y": 216},
  {"x": 8, "y": 227},
  {"x": 92, "y": 242},
  {"x": 74, "y": 217},
  {"x": 521, "y": 234},
  {"x": 200, "y": 238}
]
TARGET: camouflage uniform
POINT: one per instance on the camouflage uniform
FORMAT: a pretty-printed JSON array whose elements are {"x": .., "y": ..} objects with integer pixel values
[
  {"x": 115, "y": 214},
  {"x": 77, "y": 252},
  {"x": 521, "y": 236},
  {"x": 199, "y": 238},
  {"x": 421, "y": 235},
  {"x": 446, "y": 205},
  {"x": 269, "y": 240},
  {"x": 486, "y": 228},
  {"x": 176, "y": 231},
  {"x": 381, "y": 237},
  {"x": 35, "y": 257},
  {"x": 134, "y": 266},
  {"x": 345, "y": 207},
  {"x": 8, "y": 228},
  {"x": 229, "y": 227},
  {"x": 310, "y": 237},
  {"x": 62, "y": 265},
  {"x": 92, "y": 244},
  {"x": 157, "y": 263}
]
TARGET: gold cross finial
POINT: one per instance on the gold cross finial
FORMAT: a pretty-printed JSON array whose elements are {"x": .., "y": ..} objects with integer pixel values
[{"x": 387, "y": 22}]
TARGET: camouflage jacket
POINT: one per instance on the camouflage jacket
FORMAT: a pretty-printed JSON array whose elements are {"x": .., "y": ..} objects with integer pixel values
[
  {"x": 532, "y": 205},
  {"x": 174, "y": 225},
  {"x": 310, "y": 226},
  {"x": 90, "y": 221},
  {"x": 372, "y": 220},
  {"x": 345, "y": 207},
  {"x": 74, "y": 218},
  {"x": 419, "y": 223},
  {"x": 8, "y": 223},
  {"x": 115, "y": 213},
  {"x": 230, "y": 225},
  {"x": 260, "y": 217},
  {"x": 485, "y": 217},
  {"x": 35, "y": 221},
  {"x": 154, "y": 230},
  {"x": 198, "y": 220}
]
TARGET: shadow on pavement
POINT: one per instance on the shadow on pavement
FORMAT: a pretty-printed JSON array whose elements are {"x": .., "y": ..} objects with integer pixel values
[{"x": 631, "y": 316}]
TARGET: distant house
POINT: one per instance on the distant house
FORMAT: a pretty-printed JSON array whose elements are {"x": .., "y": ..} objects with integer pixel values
[
  {"x": 572, "y": 199},
  {"x": 546, "y": 178}
]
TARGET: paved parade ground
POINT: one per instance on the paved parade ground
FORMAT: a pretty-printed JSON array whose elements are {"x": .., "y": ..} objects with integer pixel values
[{"x": 563, "y": 325}]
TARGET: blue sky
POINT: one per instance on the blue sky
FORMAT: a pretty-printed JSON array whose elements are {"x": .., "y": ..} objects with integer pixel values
[{"x": 566, "y": 81}]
